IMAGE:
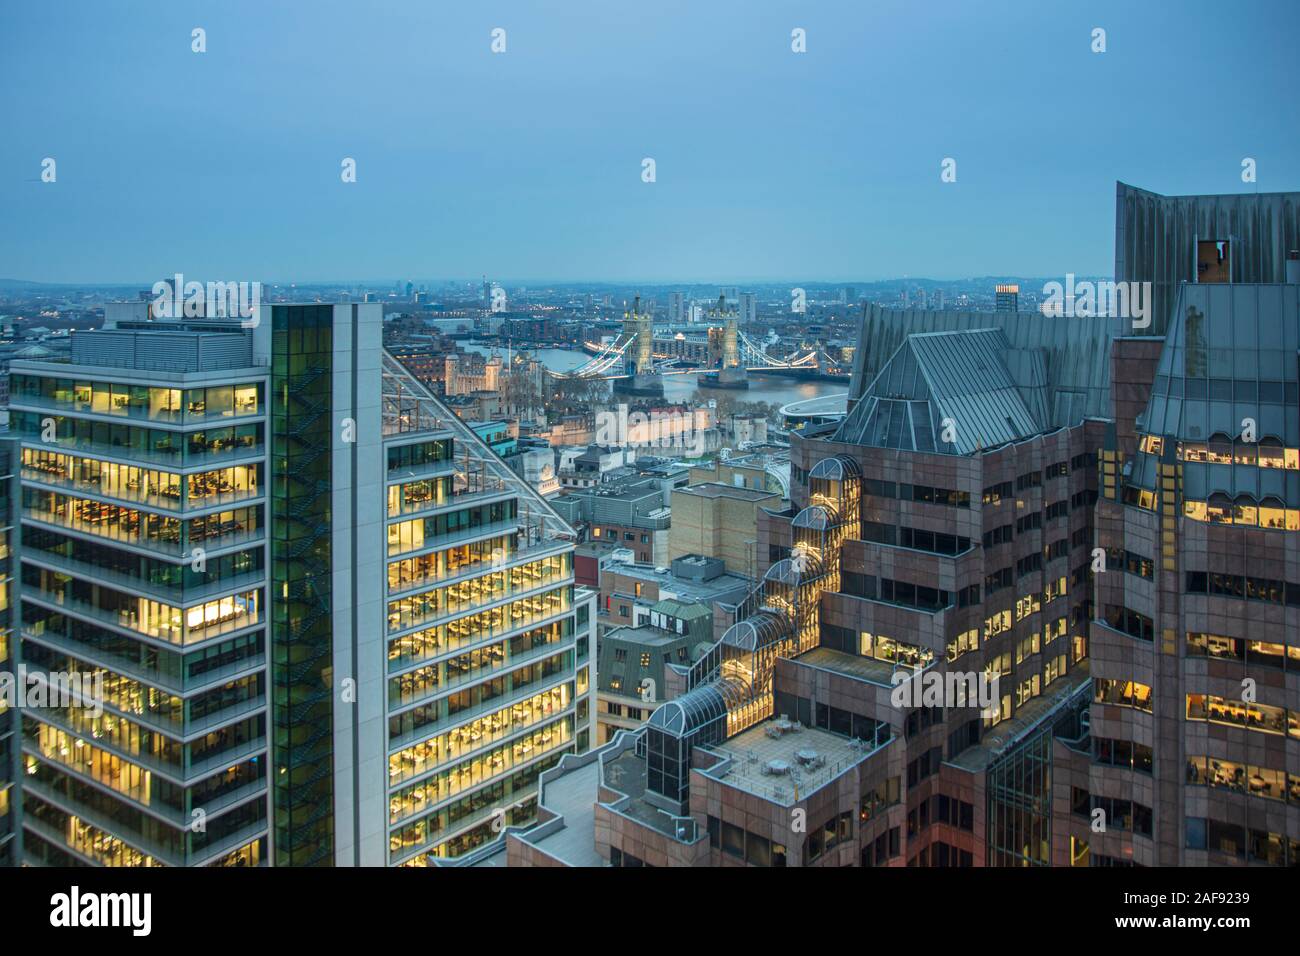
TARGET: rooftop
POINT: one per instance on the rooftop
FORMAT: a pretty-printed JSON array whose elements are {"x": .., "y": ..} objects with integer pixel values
[
  {"x": 784, "y": 762},
  {"x": 1058, "y": 370},
  {"x": 572, "y": 796},
  {"x": 626, "y": 774},
  {"x": 852, "y": 665},
  {"x": 817, "y": 407},
  {"x": 717, "y": 489},
  {"x": 728, "y": 587},
  {"x": 643, "y": 636},
  {"x": 686, "y": 610}
]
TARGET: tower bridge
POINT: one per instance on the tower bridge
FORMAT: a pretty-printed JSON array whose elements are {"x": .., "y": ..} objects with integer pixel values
[{"x": 726, "y": 358}]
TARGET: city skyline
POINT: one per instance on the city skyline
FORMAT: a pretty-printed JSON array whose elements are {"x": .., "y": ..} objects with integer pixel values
[
  {"x": 780, "y": 436},
  {"x": 517, "y": 159}
]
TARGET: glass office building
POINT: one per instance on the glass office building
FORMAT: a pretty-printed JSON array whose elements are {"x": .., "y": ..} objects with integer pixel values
[
  {"x": 140, "y": 474},
  {"x": 318, "y": 620},
  {"x": 488, "y": 650}
]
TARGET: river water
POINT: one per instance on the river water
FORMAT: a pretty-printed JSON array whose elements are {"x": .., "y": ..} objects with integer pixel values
[{"x": 682, "y": 388}]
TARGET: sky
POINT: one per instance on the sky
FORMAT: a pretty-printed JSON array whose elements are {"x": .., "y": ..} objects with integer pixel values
[{"x": 769, "y": 164}]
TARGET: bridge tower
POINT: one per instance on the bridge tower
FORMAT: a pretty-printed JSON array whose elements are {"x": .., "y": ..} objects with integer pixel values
[
  {"x": 638, "y": 360},
  {"x": 731, "y": 373},
  {"x": 731, "y": 343}
]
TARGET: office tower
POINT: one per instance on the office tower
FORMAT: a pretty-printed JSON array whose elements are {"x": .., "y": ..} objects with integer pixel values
[
  {"x": 488, "y": 647},
  {"x": 922, "y": 299},
  {"x": 748, "y": 308},
  {"x": 850, "y": 295},
  {"x": 326, "y": 614},
  {"x": 142, "y": 564},
  {"x": 938, "y": 299},
  {"x": 676, "y": 307},
  {"x": 1195, "y": 639},
  {"x": 10, "y": 801},
  {"x": 730, "y": 293},
  {"x": 1007, "y": 298}
]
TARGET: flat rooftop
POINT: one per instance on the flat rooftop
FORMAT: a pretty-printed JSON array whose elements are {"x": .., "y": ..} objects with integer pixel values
[
  {"x": 717, "y": 489},
  {"x": 644, "y": 636},
  {"x": 728, "y": 586},
  {"x": 573, "y": 797},
  {"x": 787, "y": 766},
  {"x": 823, "y": 405},
  {"x": 851, "y": 665}
]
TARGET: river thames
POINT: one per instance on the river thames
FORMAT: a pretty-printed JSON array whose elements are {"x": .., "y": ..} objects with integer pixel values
[{"x": 682, "y": 388}]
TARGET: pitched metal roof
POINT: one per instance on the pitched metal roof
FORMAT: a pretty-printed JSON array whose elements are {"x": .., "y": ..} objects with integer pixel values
[
  {"x": 1069, "y": 357},
  {"x": 951, "y": 393}
]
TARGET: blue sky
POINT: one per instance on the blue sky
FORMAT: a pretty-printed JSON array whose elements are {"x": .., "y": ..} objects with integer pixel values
[{"x": 771, "y": 165}]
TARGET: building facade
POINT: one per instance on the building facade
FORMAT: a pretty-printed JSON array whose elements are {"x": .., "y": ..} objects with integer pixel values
[
  {"x": 142, "y": 564},
  {"x": 720, "y": 521},
  {"x": 1195, "y": 649},
  {"x": 330, "y": 625}
]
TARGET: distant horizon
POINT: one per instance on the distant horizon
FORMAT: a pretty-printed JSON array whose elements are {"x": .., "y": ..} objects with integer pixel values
[{"x": 564, "y": 283}]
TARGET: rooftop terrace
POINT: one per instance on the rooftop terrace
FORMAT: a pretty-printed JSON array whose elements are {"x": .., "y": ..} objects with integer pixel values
[{"x": 784, "y": 762}]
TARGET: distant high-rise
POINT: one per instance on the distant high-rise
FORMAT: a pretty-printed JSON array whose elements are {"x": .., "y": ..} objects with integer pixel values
[
  {"x": 1007, "y": 298},
  {"x": 748, "y": 308},
  {"x": 676, "y": 307}
]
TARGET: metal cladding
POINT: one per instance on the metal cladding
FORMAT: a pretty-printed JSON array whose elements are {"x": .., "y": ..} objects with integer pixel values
[
  {"x": 1156, "y": 240},
  {"x": 1229, "y": 358}
]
